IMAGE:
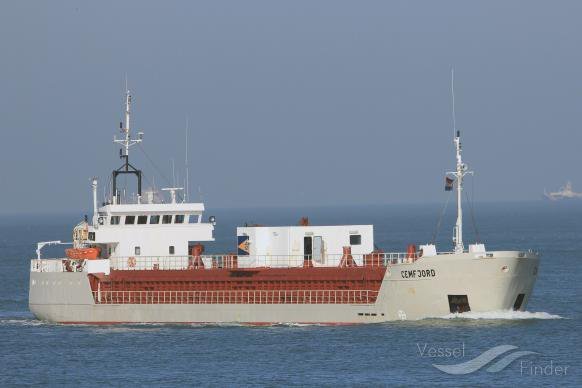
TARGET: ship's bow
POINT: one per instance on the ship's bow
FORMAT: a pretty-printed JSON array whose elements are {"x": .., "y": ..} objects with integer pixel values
[{"x": 457, "y": 283}]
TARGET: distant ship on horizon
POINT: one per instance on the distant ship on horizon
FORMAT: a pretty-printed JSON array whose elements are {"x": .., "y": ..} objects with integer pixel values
[{"x": 565, "y": 192}]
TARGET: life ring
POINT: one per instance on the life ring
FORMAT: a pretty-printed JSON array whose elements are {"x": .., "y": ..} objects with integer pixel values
[{"x": 131, "y": 262}]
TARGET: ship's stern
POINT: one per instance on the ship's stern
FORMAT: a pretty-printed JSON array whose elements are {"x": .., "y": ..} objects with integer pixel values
[{"x": 60, "y": 296}]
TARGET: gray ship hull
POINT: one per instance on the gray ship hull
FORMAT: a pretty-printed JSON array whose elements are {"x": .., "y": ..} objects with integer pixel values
[{"x": 409, "y": 291}]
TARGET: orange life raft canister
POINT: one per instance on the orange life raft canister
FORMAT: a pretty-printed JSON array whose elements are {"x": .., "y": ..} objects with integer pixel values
[{"x": 83, "y": 253}]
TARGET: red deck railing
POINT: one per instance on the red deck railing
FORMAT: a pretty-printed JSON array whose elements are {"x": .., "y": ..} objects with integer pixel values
[{"x": 237, "y": 297}]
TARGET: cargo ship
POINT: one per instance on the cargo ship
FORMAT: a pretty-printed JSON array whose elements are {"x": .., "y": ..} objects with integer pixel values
[
  {"x": 565, "y": 193},
  {"x": 143, "y": 260}
]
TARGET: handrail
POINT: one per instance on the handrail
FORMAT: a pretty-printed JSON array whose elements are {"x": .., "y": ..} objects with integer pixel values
[
  {"x": 208, "y": 262},
  {"x": 52, "y": 265},
  {"x": 258, "y": 261},
  {"x": 141, "y": 263},
  {"x": 237, "y": 297}
]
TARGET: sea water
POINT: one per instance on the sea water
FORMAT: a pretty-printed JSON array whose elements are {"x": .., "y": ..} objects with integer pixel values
[{"x": 544, "y": 342}]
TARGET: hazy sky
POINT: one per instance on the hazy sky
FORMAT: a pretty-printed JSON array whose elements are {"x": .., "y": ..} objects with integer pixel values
[{"x": 290, "y": 103}]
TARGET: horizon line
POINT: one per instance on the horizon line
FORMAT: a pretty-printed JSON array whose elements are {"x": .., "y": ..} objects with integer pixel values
[{"x": 308, "y": 206}]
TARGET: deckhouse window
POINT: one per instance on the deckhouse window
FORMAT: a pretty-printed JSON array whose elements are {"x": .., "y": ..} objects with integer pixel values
[
  {"x": 154, "y": 219},
  {"x": 179, "y": 219},
  {"x": 166, "y": 219},
  {"x": 137, "y": 251},
  {"x": 355, "y": 239},
  {"x": 141, "y": 220},
  {"x": 172, "y": 249},
  {"x": 114, "y": 220},
  {"x": 129, "y": 220}
]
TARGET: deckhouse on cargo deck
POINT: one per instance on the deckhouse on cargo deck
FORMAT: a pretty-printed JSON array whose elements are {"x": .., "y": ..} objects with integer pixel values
[{"x": 274, "y": 246}]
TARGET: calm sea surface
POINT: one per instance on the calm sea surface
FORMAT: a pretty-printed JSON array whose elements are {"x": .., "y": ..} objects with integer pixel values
[{"x": 396, "y": 353}]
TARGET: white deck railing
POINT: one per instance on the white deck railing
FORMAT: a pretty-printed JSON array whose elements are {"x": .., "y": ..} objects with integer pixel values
[
  {"x": 209, "y": 262},
  {"x": 47, "y": 265},
  {"x": 266, "y": 261}
]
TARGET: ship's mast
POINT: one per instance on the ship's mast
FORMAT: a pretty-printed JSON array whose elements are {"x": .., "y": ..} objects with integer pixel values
[
  {"x": 126, "y": 142},
  {"x": 459, "y": 175}
]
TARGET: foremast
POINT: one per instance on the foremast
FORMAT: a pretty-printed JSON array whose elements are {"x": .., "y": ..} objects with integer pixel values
[{"x": 458, "y": 175}]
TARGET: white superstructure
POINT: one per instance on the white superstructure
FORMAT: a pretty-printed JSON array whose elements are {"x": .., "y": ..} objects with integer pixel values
[
  {"x": 149, "y": 229},
  {"x": 153, "y": 227}
]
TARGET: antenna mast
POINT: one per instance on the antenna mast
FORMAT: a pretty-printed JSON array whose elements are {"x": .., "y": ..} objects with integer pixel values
[
  {"x": 458, "y": 175},
  {"x": 126, "y": 142},
  {"x": 453, "y": 97},
  {"x": 187, "y": 193}
]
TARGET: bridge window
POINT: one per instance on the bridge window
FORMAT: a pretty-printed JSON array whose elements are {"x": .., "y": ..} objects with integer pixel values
[
  {"x": 194, "y": 218},
  {"x": 154, "y": 219},
  {"x": 166, "y": 219},
  {"x": 355, "y": 239},
  {"x": 141, "y": 220},
  {"x": 114, "y": 220},
  {"x": 179, "y": 219},
  {"x": 129, "y": 220}
]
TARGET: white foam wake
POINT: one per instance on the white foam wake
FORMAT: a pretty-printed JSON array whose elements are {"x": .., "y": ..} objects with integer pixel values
[
  {"x": 21, "y": 322},
  {"x": 502, "y": 314}
]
